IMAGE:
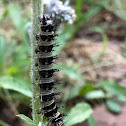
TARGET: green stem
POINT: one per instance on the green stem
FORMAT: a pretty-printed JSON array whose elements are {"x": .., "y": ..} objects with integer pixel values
[{"x": 36, "y": 10}]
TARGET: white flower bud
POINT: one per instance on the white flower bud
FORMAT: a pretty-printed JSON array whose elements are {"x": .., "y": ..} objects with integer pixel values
[{"x": 60, "y": 11}]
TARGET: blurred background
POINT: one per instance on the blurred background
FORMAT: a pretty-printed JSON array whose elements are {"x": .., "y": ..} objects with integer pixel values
[{"x": 92, "y": 63}]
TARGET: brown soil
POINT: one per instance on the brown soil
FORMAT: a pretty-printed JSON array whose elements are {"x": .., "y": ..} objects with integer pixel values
[
  {"x": 105, "y": 118},
  {"x": 105, "y": 67}
]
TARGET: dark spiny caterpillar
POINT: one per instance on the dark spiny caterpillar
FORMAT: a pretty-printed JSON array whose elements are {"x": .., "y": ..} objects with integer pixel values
[{"x": 45, "y": 71}]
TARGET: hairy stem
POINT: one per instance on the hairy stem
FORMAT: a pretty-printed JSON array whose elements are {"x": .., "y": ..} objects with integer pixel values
[{"x": 36, "y": 10}]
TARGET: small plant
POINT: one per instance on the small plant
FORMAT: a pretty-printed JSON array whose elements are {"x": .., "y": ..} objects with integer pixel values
[{"x": 42, "y": 70}]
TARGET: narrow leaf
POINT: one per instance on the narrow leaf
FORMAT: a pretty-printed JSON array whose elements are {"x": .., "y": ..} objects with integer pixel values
[
  {"x": 3, "y": 123},
  {"x": 26, "y": 119}
]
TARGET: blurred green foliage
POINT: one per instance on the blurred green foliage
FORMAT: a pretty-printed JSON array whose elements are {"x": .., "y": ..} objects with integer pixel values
[
  {"x": 15, "y": 59},
  {"x": 3, "y": 123},
  {"x": 78, "y": 114}
]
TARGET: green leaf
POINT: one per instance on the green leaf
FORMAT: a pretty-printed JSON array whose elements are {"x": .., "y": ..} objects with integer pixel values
[
  {"x": 72, "y": 93},
  {"x": 26, "y": 119},
  {"x": 12, "y": 70},
  {"x": 113, "y": 106},
  {"x": 112, "y": 87},
  {"x": 78, "y": 114},
  {"x": 16, "y": 84},
  {"x": 88, "y": 87},
  {"x": 2, "y": 52},
  {"x": 16, "y": 16},
  {"x": 4, "y": 14},
  {"x": 95, "y": 94},
  {"x": 71, "y": 73},
  {"x": 105, "y": 42},
  {"x": 3, "y": 123},
  {"x": 122, "y": 99},
  {"x": 79, "y": 5},
  {"x": 91, "y": 121},
  {"x": 22, "y": 98}
]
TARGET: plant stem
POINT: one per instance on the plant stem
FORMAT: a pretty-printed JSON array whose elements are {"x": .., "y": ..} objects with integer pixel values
[{"x": 36, "y": 10}]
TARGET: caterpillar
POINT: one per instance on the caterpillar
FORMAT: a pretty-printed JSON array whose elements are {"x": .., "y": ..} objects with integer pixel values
[{"x": 44, "y": 69}]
